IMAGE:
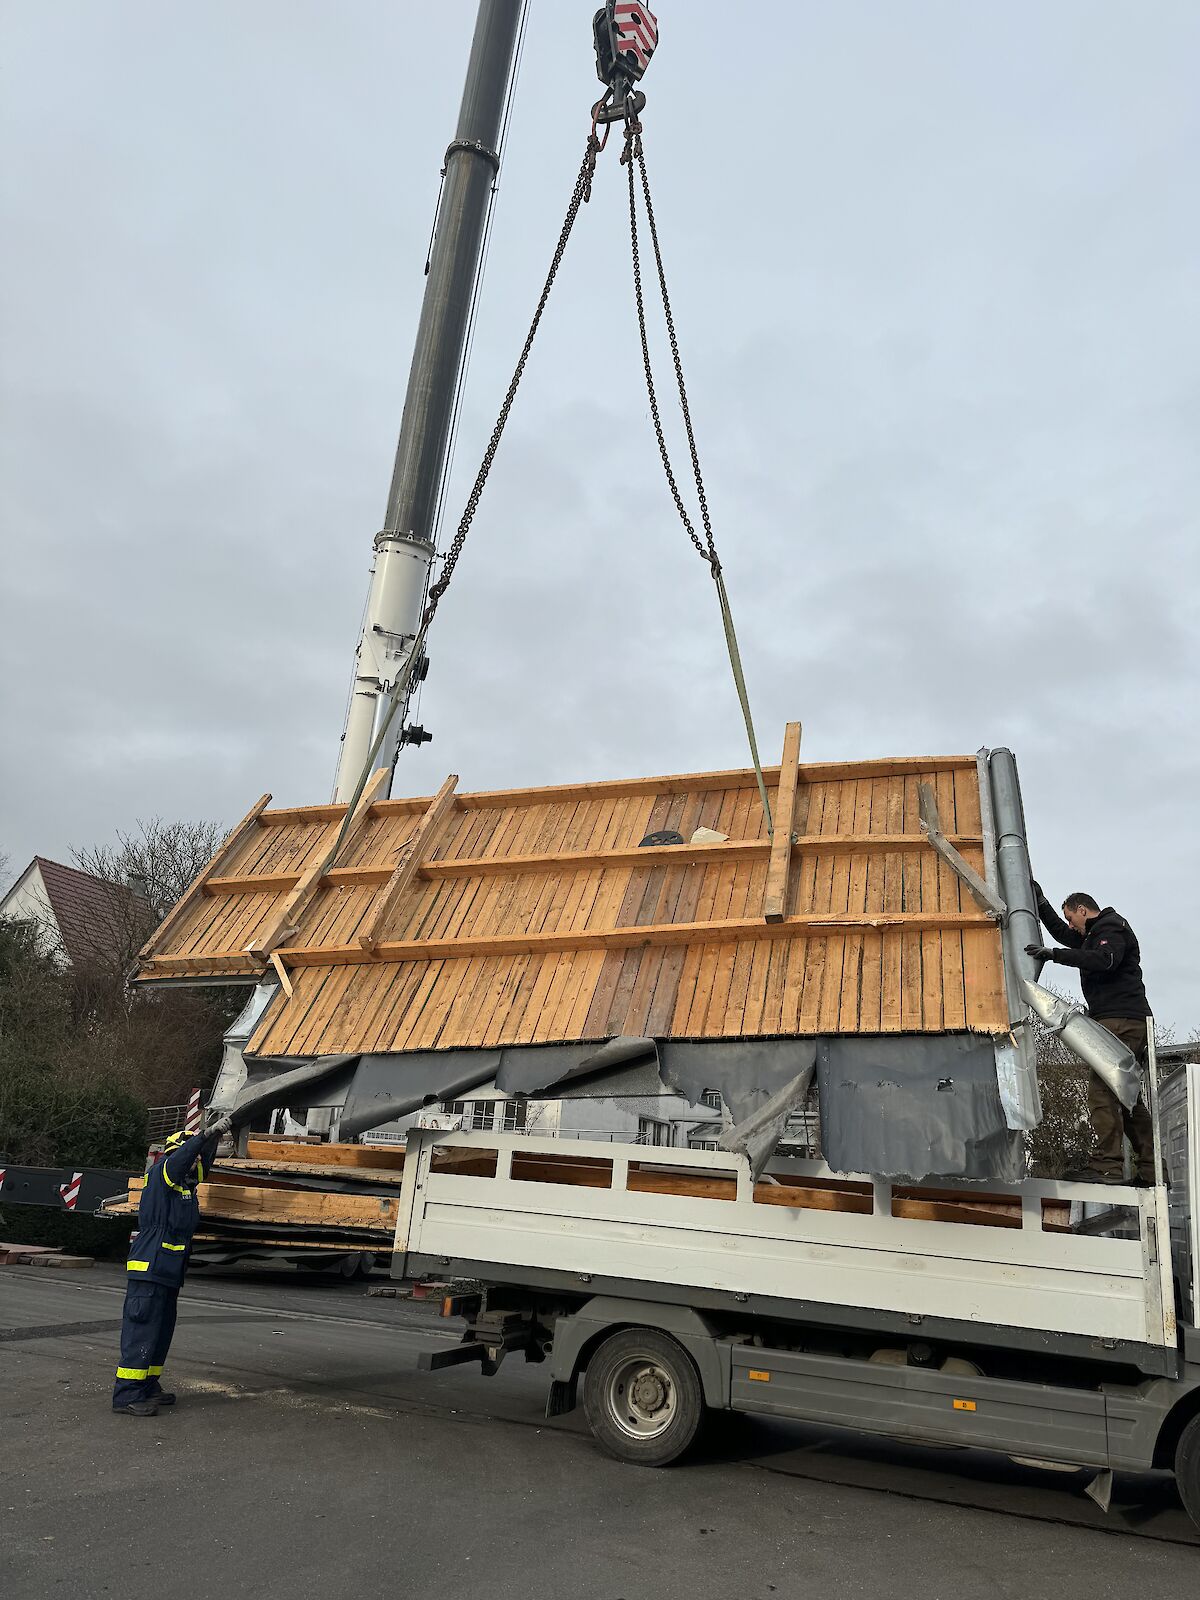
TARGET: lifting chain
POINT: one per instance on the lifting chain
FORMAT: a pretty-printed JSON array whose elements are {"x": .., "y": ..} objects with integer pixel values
[
  {"x": 706, "y": 548},
  {"x": 633, "y": 155}
]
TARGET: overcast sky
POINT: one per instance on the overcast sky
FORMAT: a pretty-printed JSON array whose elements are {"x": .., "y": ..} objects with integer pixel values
[{"x": 935, "y": 275}]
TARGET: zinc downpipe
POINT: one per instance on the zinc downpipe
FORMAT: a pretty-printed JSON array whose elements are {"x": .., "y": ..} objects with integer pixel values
[{"x": 1023, "y": 1102}]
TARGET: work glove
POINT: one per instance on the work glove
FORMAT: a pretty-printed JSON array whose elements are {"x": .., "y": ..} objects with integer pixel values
[
  {"x": 221, "y": 1124},
  {"x": 1039, "y": 952}
]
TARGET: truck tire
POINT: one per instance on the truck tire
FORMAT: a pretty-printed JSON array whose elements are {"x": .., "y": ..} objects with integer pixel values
[
  {"x": 642, "y": 1397},
  {"x": 1187, "y": 1468}
]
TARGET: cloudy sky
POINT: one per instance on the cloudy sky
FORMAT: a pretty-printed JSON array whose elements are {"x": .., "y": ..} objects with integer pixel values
[{"x": 934, "y": 268}]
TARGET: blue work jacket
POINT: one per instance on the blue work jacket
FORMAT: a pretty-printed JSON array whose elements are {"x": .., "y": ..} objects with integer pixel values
[{"x": 169, "y": 1211}]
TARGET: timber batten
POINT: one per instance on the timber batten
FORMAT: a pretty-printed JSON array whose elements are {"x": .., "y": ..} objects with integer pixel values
[{"x": 532, "y": 916}]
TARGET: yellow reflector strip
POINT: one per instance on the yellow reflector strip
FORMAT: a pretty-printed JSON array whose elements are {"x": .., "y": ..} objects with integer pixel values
[
  {"x": 138, "y": 1266},
  {"x": 154, "y": 1372},
  {"x": 170, "y": 1182},
  {"x": 964, "y": 1405},
  {"x": 757, "y": 1376},
  {"x": 137, "y": 1374},
  {"x": 167, "y": 1246}
]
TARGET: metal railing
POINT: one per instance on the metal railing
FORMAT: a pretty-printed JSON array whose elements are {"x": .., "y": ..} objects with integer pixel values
[{"x": 162, "y": 1120}]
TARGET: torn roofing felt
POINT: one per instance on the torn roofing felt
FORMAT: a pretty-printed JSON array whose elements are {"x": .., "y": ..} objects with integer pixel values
[{"x": 912, "y": 1108}]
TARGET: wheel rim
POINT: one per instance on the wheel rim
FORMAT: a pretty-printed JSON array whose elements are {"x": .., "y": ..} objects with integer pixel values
[{"x": 642, "y": 1398}]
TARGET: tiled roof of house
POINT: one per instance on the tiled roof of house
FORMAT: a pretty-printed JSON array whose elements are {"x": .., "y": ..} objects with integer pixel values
[{"x": 94, "y": 917}]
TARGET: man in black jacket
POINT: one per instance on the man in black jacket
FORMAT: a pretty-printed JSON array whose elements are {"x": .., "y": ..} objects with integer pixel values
[{"x": 1102, "y": 945}]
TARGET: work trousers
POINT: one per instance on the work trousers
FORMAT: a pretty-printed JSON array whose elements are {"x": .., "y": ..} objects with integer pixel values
[
  {"x": 147, "y": 1323},
  {"x": 1112, "y": 1121}
]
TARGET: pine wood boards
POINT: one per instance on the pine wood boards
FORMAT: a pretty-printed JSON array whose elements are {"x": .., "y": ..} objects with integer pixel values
[{"x": 534, "y": 916}]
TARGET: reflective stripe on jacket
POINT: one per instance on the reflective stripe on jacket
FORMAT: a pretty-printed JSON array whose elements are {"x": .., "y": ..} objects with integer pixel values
[{"x": 169, "y": 1212}]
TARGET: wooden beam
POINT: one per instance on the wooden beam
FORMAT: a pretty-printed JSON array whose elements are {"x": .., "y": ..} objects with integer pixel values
[
  {"x": 285, "y": 983},
  {"x": 783, "y": 816},
  {"x": 618, "y": 788},
  {"x": 254, "y": 1203},
  {"x": 324, "y": 1155},
  {"x": 253, "y": 883},
  {"x": 630, "y": 938},
  {"x": 666, "y": 855},
  {"x": 221, "y": 963},
  {"x": 284, "y": 923},
  {"x": 980, "y": 890},
  {"x": 699, "y": 782},
  {"x": 223, "y": 852},
  {"x": 429, "y": 832}
]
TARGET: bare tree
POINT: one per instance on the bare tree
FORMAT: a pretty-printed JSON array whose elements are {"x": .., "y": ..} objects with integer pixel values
[
  {"x": 144, "y": 874},
  {"x": 163, "y": 1043}
]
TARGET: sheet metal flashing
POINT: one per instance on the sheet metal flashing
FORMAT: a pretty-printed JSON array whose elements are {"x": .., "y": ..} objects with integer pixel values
[{"x": 898, "y": 1106}]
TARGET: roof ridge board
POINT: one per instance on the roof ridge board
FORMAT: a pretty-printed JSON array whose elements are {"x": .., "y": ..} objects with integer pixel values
[{"x": 618, "y": 788}]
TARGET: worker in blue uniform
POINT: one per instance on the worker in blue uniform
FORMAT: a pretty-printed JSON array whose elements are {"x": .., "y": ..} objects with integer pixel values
[{"x": 167, "y": 1216}]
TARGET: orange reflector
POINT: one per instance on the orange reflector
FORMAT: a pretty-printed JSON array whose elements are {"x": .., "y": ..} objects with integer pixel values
[
  {"x": 448, "y": 1306},
  {"x": 756, "y": 1376},
  {"x": 964, "y": 1405}
]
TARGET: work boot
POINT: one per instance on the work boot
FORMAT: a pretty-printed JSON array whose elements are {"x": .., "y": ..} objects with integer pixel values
[
  {"x": 139, "y": 1408},
  {"x": 1091, "y": 1175},
  {"x": 162, "y": 1398}
]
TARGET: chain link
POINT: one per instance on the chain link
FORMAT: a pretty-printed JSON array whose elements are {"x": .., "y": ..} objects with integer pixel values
[
  {"x": 633, "y": 155},
  {"x": 580, "y": 195}
]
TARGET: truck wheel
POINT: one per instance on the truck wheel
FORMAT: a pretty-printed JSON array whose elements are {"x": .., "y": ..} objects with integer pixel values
[
  {"x": 1187, "y": 1468},
  {"x": 642, "y": 1397}
]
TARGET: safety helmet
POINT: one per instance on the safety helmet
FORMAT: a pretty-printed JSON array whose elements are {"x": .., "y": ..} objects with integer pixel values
[{"x": 174, "y": 1140}]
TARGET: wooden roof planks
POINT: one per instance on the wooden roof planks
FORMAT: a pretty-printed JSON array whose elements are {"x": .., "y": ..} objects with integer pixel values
[{"x": 530, "y": 916}]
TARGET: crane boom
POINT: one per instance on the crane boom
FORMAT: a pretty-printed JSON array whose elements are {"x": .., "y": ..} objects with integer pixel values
[{"x": 404, "y": 547}]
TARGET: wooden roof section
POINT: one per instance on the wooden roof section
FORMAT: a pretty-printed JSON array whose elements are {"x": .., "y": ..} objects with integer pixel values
[{"x": 532, "y": 915}]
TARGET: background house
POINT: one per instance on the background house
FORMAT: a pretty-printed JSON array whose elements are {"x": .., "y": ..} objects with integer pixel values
[{"x": 75, "y": 918}]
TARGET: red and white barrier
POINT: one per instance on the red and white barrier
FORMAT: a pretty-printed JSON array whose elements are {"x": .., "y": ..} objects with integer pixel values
[
  {"x": 3, "y": 1170},
  {"x": 70, "y": 1190},
  {"x": 192, "y": 1123}
]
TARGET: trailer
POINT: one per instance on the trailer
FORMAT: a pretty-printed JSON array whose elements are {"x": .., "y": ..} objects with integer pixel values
[{"x": 1044, "y": 1320}]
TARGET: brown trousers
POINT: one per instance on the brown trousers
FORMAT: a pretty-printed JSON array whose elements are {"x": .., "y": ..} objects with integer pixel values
[{"x": 1109, "y": 1117}]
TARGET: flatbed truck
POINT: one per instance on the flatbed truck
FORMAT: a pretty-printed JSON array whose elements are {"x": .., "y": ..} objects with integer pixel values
[{"x": 660, "y": 1285}]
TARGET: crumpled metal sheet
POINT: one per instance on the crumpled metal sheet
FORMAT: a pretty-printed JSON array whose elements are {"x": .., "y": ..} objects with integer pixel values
[
  {"x": 758, "y": 1135},
  {"x": 904, "y": 1106},
  {"x": 915, "y": 1108},
  {"x": 1113, "y": 1063}
]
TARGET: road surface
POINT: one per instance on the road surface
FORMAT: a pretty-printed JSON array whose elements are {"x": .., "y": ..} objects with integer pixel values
[{"x": 307, "y": 1457}]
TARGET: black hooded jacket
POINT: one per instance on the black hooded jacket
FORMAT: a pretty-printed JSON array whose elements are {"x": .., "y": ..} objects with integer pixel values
[{"x": 1109, "y": 961}]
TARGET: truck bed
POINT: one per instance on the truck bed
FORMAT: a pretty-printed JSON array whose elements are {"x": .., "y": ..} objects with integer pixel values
[{"x": 1000, "y": 1264}]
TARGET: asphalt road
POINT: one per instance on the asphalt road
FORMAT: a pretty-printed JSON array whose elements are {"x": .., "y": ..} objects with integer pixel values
[{"x": 307, "y": 1457}]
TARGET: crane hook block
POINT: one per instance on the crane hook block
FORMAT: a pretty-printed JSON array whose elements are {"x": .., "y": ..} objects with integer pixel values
[{"x": 626, "y": 34}]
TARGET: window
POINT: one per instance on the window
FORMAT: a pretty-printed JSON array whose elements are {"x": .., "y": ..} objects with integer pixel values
[
  {"x": 711, "y": 1097},
  {"x": 652, "y": 1131},
  {"x": 703, "y": 1144},
  {"x": 455, "y": 1108},
  {"x": 515, "y": 1112},
  {"x": 483, "y": 1114}
]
